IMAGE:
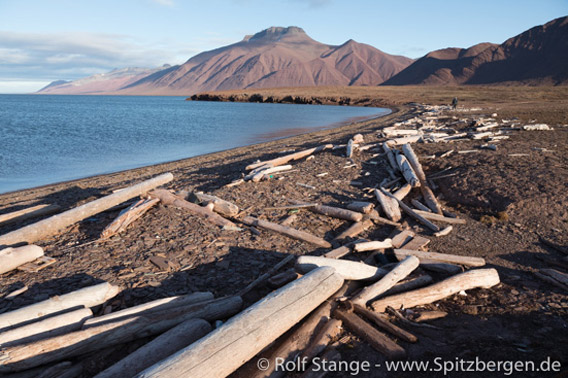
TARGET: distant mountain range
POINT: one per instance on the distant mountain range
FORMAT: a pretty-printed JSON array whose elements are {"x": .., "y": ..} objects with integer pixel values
[{"x": 288, "y": 57}]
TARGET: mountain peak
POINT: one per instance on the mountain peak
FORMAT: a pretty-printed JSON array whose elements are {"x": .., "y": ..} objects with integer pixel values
[{"x": 276, "y": 33}]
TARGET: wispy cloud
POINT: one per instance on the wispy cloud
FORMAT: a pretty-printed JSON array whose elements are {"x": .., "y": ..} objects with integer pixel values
[{"x": 70, "y": 56}]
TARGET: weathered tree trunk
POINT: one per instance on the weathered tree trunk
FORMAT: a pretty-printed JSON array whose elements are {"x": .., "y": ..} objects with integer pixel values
[
  {"x": 484, "y": 278},
  {"x": 349, "y": 270},
  {"x": 11, "y": 258},
  {"x": 427, "y": 193},
  {"x": 440, "y": 218},
  {"x": 402, "y": 238},
  {"x": 169, "y": 198},
  {"x": 339, "y": 252},
  {"x": 87, "y": 297},
  {"x": 407, "y": 171},
  {"x": 156, "y": 350},
  {"x": 257, "y": 176},
  {"x": 56, "y": 223},
  {"x": 221, "y": 352},
  {"x": 412, "y": 213},
  {"x": 378, "y": 340},
  {"x": 373, "y": 245},
  {"x": 337, "y": 212},
  {"x": 402, "y": 192},
  {"x": 383, "y": 323},
  {"x": 285, "y": 159},
  {"x": 434, "y": 258},
  {"x": 408, "y": 285},
  {"x": 30, "y": 212},
  {"x": 151, "y": 307},
  {"x": 221, "y": 206},
  {"x": 374, "y": 215},
  {"x": 288, "y": 231},
  {"x": 77, "y": 343},
  {"x": 53, "y": 326},
  {"x": 390, "y": 206},
  {"x": 390, "y": 157},
  {"x": 361, "y": 207},
  {"x": 349, "y": 149},
  {"x": 127, "y": 216},
  {"x": 401, "y": 271}
]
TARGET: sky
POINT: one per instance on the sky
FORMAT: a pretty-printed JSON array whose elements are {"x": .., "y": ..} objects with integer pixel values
[{"x": 46, "y": 40}]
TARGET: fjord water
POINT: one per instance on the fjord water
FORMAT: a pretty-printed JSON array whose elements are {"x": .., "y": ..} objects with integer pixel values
[{"x": 48, "y": 139}]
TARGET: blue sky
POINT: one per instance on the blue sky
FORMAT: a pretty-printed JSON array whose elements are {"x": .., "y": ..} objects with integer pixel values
[{"x": 46, "y": 40}]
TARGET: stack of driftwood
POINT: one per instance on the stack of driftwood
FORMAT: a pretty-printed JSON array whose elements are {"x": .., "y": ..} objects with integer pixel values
[{"x": 303, "y": 316}]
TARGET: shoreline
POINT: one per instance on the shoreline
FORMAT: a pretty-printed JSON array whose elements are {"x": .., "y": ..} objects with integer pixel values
[{"x": 124, "y": 177}]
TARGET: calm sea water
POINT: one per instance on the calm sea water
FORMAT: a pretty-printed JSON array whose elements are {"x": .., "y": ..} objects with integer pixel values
[{"x": 48, "y": 139}]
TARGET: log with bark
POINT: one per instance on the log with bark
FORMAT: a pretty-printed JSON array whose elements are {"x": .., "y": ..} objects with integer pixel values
[
  {"x": 378, "y": 340},
  {"x": 483, "y": 278},
  {"x": 56, "y": 223},
  {"x": 288, "y": 231},
  {"x": 285, "y": 159},
  {"x": 400, "y": 271},
  {"x": 77, "y": 343},
  {"x": 128, "y": 216},
  {"x": 349, "y": 270},
  {"x": 434, "y": 258},
  {"x": 169, "y": 198},
  {"x": 11, "y": 258},
  {"x": 224, "y": 350},
  {"x": 156, "y": 350},
  {"x": 87, "y": 297},
  {"x": 28, "y": 213}
]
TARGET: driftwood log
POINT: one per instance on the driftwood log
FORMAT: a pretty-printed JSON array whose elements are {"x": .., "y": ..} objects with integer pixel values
[
  {"x": 400, "y": 271},
  {"x": 28, "y": 213},
  {"x": 372, "y": 245},
  {"x": 411, "y": 284},
  {"x": 349, "y": 270},
  {"x": 322, "y": 339},
  {"x": 382, "y": 322},
  {"x": 156, "y": 350},
  {"x": 355, "y": 229},
  {"x": 344, "y": 250},
  {"x": 288, "y": 231},
  {"x": 427, "y": 193},
  {"x": 88, "y": 297},
  {"x": 224, "y": 350},
  {"x": 266, "y": 275},
  {"x": 412, "y": 213},
  {"x": 439, "y": 218},
  {"x": 169, "y": 198},
  {"x": 53, "y": 326},
  {"x": 407, "y": 171},
  {"x": 434, "y": 258},
  {"x": 56, "y": 223},
  {"x": 220, "y": 206},
  {"x": 401, "y": 238},
  {"x": 127, "y": 216},
  {"x": 285, "y": 159},
  {"x": 11, "y": 258},
  {"x": 484, "y": 278},
  {"x": 152, "y": 307},
  {"x": 390, "y": 206},
  {"x": 361, "y": 207},
  {"x": 77, "y": 343}
]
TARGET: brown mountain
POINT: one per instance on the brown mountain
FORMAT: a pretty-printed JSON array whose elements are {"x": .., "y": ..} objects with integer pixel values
[
  {"x": 537, "y": 56},
  {"x": 275, "y": 57}
]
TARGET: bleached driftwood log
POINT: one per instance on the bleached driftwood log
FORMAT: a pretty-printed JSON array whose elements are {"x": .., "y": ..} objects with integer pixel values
[
  {"x": 156, "y": 350},
  {"x": 28, "y": 213},
  {"x": 11, "y": 258},
  {"x": 412, "y": 213},
  {"x": 339, "y": 252},
  {"x": 220, "y": 206},
  {"x": 77, "y": 343},
  {"x": 400, "y": 271},
  {"x": 390, "y": 157},
  {"x": 127, "y": 216},
  {"x": 349, "y": 270},
  {"x": 407, "y": 171},
  {"x": 355, "y": 229},
  {"x": 382, "y": 322},
  {"x": 257, "y": 176},
  {"x": 402, "y": 192},
  {"x": 87, "y": 297},
  {"x": 288, "y": 231},
  {"x": 361, "y": 207},
  {"x": 169, "y": 198},
  {"x": 402, "y": 238},
  {"x": 440, "y": 218},
  {"x": 429, "y": 197},
  {"x": 434, "y": 257},
  {"x": 53, "y": 326},
  {"x": 373, "y": 245},
  {"x": 408, "y": 285},
  {"x": 484, "y": 278},
  {"x": 390, "y": 206},
  {"x": 349, "y": 148},
  {"x": 56, "y": 223},
  {"x": 378, "y": 340},
  {"x": 285, "y": 159},
  {"x": 404, "y": 140},
  {"x": 152, "y": 307},
  {"x": 224, "y": 350}
]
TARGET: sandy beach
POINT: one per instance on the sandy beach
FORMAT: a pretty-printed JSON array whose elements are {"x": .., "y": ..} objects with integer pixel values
[{"x": 512, "y": 198}]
